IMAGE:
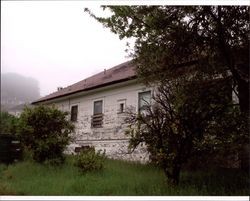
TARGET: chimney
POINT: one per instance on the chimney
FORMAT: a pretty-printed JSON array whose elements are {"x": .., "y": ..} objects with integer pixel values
[
  {"x": 104, "y": 71},
  {"x": 59, "y": 88}
]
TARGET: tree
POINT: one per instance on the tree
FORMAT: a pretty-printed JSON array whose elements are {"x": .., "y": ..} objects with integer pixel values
[
  {"x": 205, "y": 41},
  {"x": 179, "y": 122},
  {"x": 8, "y": 123},
  {"x": 169, "y": 39},
  {"x": 46, "y": 132}
]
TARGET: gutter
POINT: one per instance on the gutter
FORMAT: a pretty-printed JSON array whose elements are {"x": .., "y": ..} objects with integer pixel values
[{"x": 87, "y": 89}]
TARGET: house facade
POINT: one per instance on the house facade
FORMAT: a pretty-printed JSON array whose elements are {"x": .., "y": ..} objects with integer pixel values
[{"x": 97, "y": 107}]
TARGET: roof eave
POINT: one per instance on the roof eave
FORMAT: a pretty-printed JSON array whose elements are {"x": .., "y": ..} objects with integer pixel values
[{"x": 87, "y": 89}]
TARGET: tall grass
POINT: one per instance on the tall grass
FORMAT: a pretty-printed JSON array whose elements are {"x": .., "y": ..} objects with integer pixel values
[{"x": 117, "y": 178}]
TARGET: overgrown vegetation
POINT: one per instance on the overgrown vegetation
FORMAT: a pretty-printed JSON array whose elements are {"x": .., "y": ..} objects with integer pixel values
[
  {"x": 202, "y": 44},
  {"x": 183, "y": 121},
  {"x": 117, "y": 178},
  {"x": 8, "y": 123},
  {"x": 45, "y": 131},
  {"x": 89, "y": 160}
]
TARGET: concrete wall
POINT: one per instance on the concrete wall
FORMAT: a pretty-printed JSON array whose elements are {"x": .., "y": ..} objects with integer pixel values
[{"x": 111, "y": 136}]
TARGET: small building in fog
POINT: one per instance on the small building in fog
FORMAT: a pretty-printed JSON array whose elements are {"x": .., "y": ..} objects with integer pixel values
[{"x": 18, "y": 109}]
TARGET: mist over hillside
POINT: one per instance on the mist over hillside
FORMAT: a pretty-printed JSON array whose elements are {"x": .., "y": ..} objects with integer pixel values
[{"x": 17, "y": 89}]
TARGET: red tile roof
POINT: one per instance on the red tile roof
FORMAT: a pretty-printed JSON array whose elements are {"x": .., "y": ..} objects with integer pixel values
[{"x": 119, "y": 73}]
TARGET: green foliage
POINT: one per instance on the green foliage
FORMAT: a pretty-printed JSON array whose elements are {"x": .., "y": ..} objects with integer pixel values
[
  {"x": 203, "y": 43},
  {"x": 6, "y": 191},
  {"x": 183, "y": 116},
  {"x": 89, "y": 160},
  {"x": 8, "y": 123},
  {"x": 27, "y": 154},
  {"x": 171, "y": 40},
  {"x": 46, "y": 132},
  {"x": 118, "y": 178},
  {"x": 226, "y": 142}
]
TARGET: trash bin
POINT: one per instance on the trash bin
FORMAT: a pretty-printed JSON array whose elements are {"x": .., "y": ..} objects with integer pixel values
[{"x": 10, "y": 149}]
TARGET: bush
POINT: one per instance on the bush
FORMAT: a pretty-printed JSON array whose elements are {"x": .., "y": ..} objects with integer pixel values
[
  {"x": 89, "y": 160},
  {"x": 46, "y": 132},
  {"x": 8, "y": 123}
]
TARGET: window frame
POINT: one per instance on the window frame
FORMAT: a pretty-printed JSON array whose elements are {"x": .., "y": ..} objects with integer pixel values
[
  {"x": 119, "y": 103},
  {"x": 72, "y": 118},
  {"x": 100, "y": 100},
  {"x": 139, "y": 108},
  {"x": 97, "y": 119}
]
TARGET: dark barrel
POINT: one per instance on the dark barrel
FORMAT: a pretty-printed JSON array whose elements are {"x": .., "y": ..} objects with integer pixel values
[{"x": 10, "y": 148}]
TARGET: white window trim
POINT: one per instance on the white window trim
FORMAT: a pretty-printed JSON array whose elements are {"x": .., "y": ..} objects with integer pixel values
[
  {"x": 93, "y": 104},
  {"x": 141, "y": 91}
]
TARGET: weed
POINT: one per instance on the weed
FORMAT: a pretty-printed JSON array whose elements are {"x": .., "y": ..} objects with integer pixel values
[{"x": 117, "y": 178}]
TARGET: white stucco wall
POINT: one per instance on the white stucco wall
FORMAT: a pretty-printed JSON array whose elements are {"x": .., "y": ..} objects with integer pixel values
[{"x": 111, "y": 136}]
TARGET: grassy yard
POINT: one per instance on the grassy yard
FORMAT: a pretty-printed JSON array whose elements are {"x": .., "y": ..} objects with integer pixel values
[{"x": 118, "y": 178}]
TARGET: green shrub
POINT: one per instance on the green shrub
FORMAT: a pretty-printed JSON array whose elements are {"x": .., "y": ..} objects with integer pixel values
[
  {"x": 89, "y": 160},
  {"x": 8, "y": 123},
  {"x": 45, "y": 131}
]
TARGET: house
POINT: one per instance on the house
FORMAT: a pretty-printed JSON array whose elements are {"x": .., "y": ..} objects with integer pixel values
[
  {"x": 97, "y": 107},
  {"x": 18, "y": 109}
]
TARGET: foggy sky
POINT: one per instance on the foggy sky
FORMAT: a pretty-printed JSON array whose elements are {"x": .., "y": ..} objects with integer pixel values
[
  {"x": 56, "y": 42},
  {"x": 17, "y": 89}
]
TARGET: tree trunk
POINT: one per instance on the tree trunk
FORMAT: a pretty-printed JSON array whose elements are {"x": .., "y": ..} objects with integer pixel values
[
  {"x": 244, "y": 96},
  {"x": 236, "y": 70},
  {"x": 243, "y": 91},
  {"x": 174, "y": 175}
]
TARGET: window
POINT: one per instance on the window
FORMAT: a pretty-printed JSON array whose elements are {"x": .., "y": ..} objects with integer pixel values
[
  {"x": 144, "y": 100},
  {"x": 121, "y": 106},
  {"x": 98, "y": 107},
  {"x": 97, "y": 117},
  {"x": 74, "y": 111}
]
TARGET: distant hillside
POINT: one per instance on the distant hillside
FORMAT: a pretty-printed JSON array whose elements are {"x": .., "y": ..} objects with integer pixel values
[{"x": 17, "y": 89}]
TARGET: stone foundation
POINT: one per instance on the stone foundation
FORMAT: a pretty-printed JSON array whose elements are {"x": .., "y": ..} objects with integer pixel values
[{"x": 115, "y": 149}]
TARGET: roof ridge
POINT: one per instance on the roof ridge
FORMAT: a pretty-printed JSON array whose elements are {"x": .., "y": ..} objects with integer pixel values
[
  {"x": 107, "y": 70},
  {"x": 95, "y": 81}
]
